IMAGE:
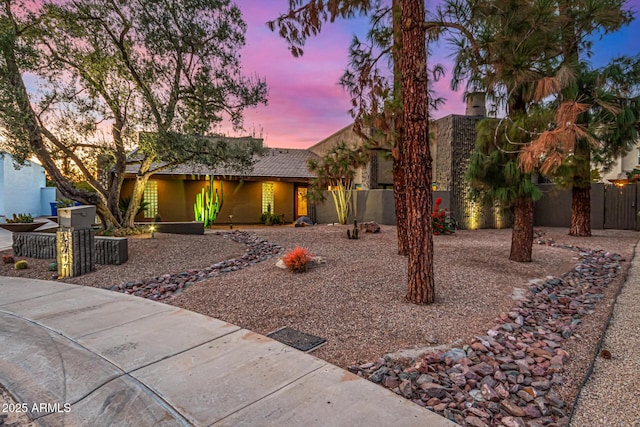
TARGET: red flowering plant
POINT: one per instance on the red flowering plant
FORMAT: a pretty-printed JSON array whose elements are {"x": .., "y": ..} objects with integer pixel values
[
  {"x": 297, "y": 259},
  {"x": 443, "y": 223}
]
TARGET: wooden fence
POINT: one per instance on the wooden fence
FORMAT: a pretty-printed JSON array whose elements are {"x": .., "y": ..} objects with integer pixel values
[{"x": 621, "y": 207}]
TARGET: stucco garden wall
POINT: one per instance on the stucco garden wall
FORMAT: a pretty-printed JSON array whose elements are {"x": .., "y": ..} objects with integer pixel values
[
  {"x": 20, "y": 189},
  {"x": 368, "y": 205}
]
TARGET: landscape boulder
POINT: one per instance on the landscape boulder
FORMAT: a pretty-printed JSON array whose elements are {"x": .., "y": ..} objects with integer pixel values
[
  {"x": 303, "y": 221},
  {"x": 370, "y": 227}
]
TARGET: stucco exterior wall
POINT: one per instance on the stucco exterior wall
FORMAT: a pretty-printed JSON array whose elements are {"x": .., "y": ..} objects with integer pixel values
[
  {"x": 347, "y": 135},
  {"x": 20, "y": 188},
  {"x": 384, "y": 166},
  {"x": 242, "y": 199},
  {"x": 283, "y": 200},
  {"x": 624, "y": 164},
  {"x": 47, "y": 196},
  {"x": 172, "y": 201},
  {"x": 2, "y": 192},
  {"x": 630, "y": 161},
  {"x": 369, "y": 205}
]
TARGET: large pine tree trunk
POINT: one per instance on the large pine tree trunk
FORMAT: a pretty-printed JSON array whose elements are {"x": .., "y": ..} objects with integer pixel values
[
  {"x": 522, "y": 235},
  {"x": 580, "y": 211},
  {"x": 400, "y": 196},
  {"x": 581, "y": 189},
  {"x": 581, "y": 193},
  {"x": 399, "y": 192},
  {"x": 415, "y": 155}
]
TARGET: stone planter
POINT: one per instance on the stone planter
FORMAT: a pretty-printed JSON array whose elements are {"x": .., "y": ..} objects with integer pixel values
[{"x": 21, "y": 227}]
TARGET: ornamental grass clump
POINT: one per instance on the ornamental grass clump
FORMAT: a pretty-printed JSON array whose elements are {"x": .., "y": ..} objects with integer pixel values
[
  {"x": 297, "y": 259},
  {"x": 443, "y": 223}
]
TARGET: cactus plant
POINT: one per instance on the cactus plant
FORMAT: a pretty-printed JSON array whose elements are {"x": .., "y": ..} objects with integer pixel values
[
  {"x": 353, "y": 235},
  {"x": 21, "y": 265},
  {"x": 208, "y": 203}
]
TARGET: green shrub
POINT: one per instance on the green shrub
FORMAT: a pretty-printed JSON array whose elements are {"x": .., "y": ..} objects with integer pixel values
[
  {"x": 123, "y": 205},
  {"x": 64, "y": 203},
  {"x": 443, "y": 223},
  {"x": 271, "y": 219}
]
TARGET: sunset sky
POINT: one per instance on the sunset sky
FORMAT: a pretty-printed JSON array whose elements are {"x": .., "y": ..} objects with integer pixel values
[{"x": 307, "y": 105}]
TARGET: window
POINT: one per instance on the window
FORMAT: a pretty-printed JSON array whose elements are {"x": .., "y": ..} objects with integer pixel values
[
  {"x": 151, "y": 199},
  {"x": 638, "y": 157},
  {"x": 267, "y": 197}
]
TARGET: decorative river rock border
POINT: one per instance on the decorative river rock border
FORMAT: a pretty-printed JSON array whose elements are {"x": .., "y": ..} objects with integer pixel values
[
  {"x": 507, "y": 377},
  {"x": 162, "y": 287}
]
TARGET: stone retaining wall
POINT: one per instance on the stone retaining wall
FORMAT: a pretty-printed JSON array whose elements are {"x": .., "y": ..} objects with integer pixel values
[
  {"x": 35, "y": 245},
  {"x": 111, "y": 250},
  {"x": 108, "y": 250}
]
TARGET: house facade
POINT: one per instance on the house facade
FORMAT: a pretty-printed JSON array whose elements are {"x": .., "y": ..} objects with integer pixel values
[
  {"x": 452, "y": 139},
  {"x": 23, "y": 189},
  {"x": 376, "y": 174},
  {"x": 623, "y": 165},
  {"x": 278, "y": 181}
]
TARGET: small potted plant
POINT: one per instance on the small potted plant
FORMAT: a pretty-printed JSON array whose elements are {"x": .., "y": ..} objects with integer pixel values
[{"x": 60, "y": 203}]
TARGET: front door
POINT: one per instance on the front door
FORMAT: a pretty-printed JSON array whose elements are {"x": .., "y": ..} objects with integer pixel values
[{"x": 301, "y": 202}]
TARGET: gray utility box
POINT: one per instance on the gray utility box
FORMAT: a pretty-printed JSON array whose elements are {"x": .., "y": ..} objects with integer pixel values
[{"x": 77, "y": 217}]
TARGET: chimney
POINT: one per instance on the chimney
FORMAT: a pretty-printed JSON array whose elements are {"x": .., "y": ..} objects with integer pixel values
[{"x": 476, "y": 104}]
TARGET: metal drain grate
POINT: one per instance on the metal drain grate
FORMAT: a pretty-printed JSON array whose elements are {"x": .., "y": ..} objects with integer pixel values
[{"x": 296, "y": 339}]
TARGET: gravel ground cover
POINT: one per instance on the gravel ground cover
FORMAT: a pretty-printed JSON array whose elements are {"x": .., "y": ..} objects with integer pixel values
[{"x": 356, "y": 299}]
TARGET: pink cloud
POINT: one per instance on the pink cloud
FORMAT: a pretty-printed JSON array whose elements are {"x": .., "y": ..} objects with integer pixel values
[{"x": 306, "y": 104}]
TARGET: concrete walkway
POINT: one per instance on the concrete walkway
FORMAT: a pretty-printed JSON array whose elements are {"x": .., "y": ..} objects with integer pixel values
[
  {"x": 6, "y": 239},
  {"x": 80, "y": 356},
  {"x": 610, "y": 396}
]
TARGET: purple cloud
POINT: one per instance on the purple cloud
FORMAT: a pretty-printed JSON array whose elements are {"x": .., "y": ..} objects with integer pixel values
[{"x": 306, "y": 104}]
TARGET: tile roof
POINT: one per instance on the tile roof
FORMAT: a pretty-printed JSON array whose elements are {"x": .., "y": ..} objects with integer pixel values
[{"x": 275, "y": 163}]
